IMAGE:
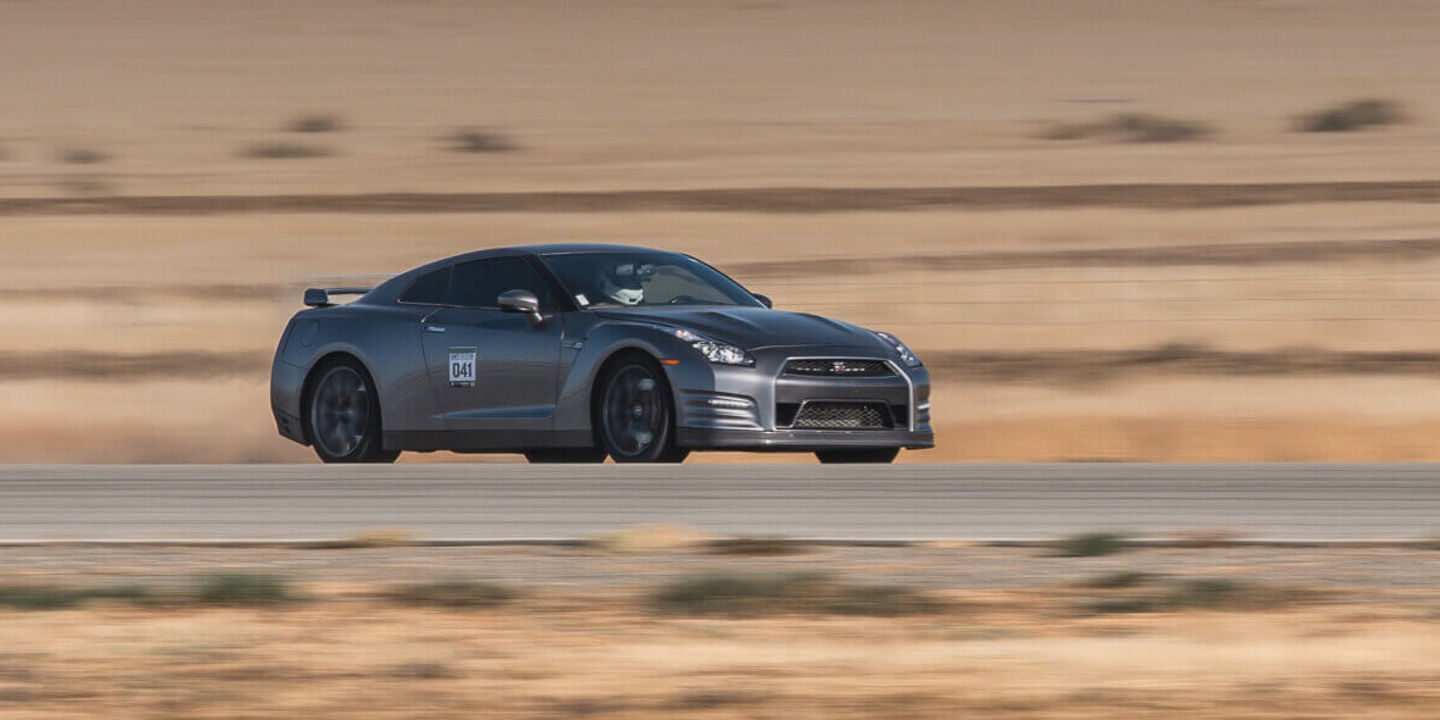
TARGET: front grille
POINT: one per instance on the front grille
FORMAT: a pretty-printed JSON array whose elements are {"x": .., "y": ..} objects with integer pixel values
[
  {"x": 842, "y": 416},
  {"x": 838, "y": 368}
]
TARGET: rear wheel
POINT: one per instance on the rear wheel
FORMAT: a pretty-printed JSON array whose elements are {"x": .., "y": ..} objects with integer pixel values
[
  {"x": 344, "y": 415},
  {"x": 857, "y": 455},
  {"x": 636, "y": 416},
  {"x": 565, "y": 455}
]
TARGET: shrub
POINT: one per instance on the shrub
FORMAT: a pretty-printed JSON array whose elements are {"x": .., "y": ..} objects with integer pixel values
[
  {"x": 1129, "y": 127},
  {"x": 453, "y": 594},
  {"x": 474, "y": 140},
  {"x": 1354, "y": 115},
  {"x": 285, "y": 151},
  {"x": 1129, "y": 578},
  {"x": 755, "y": 595},
  {"x": 82, "y": 156},
  {"x": 1092, "y": 544},
  {"x": 1202, "y": 594},
  {"x": 57, "y": 597},
  {"x": 241, "y": 589},
  {"x": 316, "y": 124},
  {"x": 756, "y": 546}
]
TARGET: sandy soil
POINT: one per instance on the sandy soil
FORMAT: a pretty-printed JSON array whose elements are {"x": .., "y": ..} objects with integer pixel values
[{"x": 1019, "y": 637}]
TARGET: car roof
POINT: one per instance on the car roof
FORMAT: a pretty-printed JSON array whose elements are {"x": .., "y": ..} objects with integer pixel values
[{"x": 387, "y": 291}]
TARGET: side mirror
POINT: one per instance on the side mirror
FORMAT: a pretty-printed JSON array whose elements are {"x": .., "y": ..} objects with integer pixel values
[
  {"x": 523, "y": 302},
  {"x": 764, "y": 300}
]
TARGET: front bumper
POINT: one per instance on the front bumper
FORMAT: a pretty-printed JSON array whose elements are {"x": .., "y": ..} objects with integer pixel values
[
  {"x": 753, "y": 408},
  {"x": 801, "y": 440}
]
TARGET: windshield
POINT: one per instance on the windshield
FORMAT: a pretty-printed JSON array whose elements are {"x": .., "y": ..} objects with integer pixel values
[{"x": 623, "y": 278}]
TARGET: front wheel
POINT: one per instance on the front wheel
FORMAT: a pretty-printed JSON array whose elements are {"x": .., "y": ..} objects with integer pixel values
[
  {"x": 857, "y": 455},
  {"x": 636, "y": 415},
  {"x": 344, "y": 416}
]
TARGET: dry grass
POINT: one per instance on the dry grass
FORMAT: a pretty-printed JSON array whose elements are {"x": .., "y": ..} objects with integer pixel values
[
  {"x": 375, "y": 539},
  {"x": 648, "y": 539},
  {"x": 336, "y": 660}
]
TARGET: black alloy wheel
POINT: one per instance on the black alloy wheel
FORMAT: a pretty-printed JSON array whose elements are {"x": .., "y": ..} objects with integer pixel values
[
  {"x": 344, "y": 415},
  {"x": 637, "y": 415}
]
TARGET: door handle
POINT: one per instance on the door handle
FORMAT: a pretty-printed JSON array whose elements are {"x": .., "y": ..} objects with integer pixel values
[{"x": 434, "y": 329}]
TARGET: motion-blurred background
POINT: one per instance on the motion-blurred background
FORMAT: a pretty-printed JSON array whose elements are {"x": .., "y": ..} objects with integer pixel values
[{"x": 1287, "y": 310}]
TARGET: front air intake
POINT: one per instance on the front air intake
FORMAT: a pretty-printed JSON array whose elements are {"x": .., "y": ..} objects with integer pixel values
[{"x": 842, "y": 416}]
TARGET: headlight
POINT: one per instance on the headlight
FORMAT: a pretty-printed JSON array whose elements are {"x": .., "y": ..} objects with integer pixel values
[
  {"x": 906, "y": 356},
  {"x": 714, "y": 350}
]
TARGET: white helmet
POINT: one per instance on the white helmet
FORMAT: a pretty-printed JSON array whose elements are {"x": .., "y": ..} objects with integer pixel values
[{"x": 622, "y": 283}]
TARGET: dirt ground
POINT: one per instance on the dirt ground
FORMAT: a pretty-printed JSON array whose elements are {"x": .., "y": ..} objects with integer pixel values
[
  {"x": 1020, "y": 634},
  {"x": 883, "y": 163}
]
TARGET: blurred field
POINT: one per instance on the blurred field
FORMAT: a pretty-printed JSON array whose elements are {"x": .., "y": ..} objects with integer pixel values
[
  {"x": 171, "y": 177},
  {"x": 1331, "y": 632}
]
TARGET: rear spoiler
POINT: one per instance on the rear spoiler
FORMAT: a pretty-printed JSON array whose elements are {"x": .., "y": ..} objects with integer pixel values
[{"x": 320, "y": 297}]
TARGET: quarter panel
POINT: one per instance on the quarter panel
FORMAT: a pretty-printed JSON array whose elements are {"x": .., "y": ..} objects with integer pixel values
[{"x": 387, "y": 342}]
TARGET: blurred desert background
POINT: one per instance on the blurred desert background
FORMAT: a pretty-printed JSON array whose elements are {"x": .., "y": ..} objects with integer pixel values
[{"x": 1114, "y": 230}]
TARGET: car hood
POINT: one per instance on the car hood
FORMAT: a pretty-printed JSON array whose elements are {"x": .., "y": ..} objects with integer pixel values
[{"x": 751, "y": 328}]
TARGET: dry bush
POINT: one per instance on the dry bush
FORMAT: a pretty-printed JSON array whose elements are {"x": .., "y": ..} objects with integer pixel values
[
  {"x": 1199, "y": 594},
  {"x": 317, "y": 123},
  {"x": 241, "y": 589},
  {"x": 1354, "y": 115},
  {"x": 1129, "y": 127},
  {"x": 59, "y": 597},
  {"x": 756, "y": 546},
  {"x": 1092, "y": 544},
  {"x": 476, "y": 140},
  {"x": 453, "y": 594},
  {"x": 284, "y": 151},
  {"x": 1123, "y": 579},
  {"x": 82, "y": 156},
  {"x": 773, "y": 594}
]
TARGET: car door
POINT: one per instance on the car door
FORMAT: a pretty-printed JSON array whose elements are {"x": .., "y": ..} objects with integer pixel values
[{"x": 493, "y": 370}]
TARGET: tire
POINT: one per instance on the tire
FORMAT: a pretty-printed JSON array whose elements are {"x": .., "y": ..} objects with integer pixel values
[
  {"x": 635, "y": 415},
  {"x": 857, "y": 455},
  {"x": 565, "y": 455},
  {"x": 342, "y": 415}
]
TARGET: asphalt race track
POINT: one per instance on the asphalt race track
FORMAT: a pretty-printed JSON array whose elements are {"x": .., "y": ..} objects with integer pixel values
[{"x": 489, "y": 502}]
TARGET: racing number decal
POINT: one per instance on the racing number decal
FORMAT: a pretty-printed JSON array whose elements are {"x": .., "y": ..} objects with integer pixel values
[{"x": 462, "y": 367}]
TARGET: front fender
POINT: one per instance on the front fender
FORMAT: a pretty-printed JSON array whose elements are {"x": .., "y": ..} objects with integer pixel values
[{"x": 600, "y": 342}]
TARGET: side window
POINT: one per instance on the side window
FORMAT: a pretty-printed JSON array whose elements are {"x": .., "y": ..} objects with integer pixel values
[
  {"x": 479, "y": 283},
  {"x": 430, "y": 289}
]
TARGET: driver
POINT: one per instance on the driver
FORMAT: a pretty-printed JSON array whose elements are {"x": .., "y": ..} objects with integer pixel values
[{"x": 622, "y": 282}]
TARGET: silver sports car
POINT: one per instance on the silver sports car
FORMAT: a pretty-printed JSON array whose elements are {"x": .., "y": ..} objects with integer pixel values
[{"x": 572, "y": 352}]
